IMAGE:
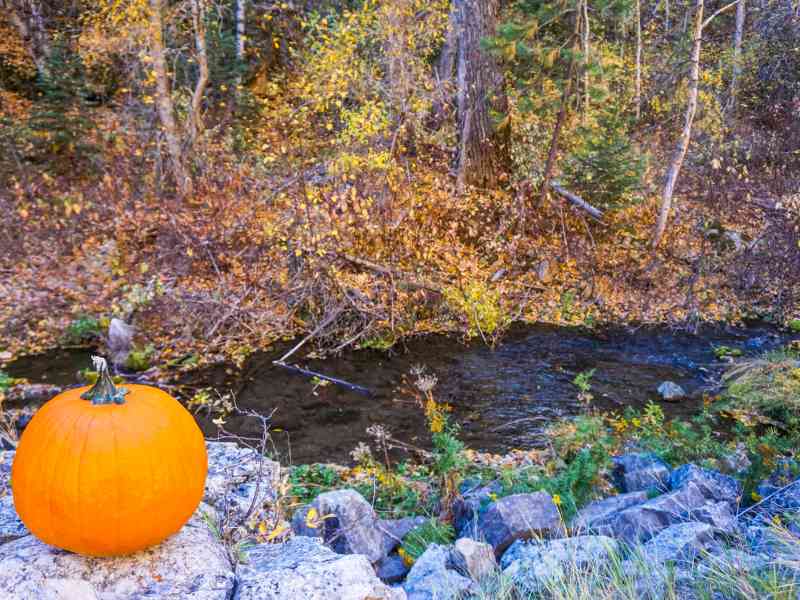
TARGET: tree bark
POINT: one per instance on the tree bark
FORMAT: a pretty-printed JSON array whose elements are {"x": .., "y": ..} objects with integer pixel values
[
  {"x": 483, "y": 150},
  {"x": 585, "y": 50},
  {"x": 28, "y": 19},
  {"x": 741, "y": 13},
  {"x": 638, "y": 91},
  {"x": 686, "y": 135},
  {"x": 241, "y": 28},
  {"x": 195, "y": 121},
  {"x": 164, "y": 104}
]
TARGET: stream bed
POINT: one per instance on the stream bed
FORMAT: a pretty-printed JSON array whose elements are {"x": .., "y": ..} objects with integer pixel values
[{"x": 501, "y": 397}]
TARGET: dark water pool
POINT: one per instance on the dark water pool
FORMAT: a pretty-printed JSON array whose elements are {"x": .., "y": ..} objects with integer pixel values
[{"x": 502, "y": 397}]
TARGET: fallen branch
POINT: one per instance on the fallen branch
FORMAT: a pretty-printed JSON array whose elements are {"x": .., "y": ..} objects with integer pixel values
[
  {"x": 403, "y": 278},
  {"x": 577, "y": 201},
  {"x": 351, "y": 386}
]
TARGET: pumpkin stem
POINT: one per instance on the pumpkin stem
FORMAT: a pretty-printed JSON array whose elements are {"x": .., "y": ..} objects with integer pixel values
[{"x": 104, "y": 391}]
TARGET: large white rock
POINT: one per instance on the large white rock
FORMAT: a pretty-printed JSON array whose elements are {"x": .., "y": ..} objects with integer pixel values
[
  {"x": 191, "y": 565},
  {"x": 304, "y": 569}
]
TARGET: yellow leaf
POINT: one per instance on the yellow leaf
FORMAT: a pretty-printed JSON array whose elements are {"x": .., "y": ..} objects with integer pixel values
[{"x": 311, "y": 518}]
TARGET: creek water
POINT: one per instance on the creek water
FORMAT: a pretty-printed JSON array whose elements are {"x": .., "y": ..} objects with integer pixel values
[{"x": 501, "y": 397}]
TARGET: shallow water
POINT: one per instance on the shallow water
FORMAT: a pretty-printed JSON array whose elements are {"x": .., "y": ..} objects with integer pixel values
[{"x": 502, "y": 397}]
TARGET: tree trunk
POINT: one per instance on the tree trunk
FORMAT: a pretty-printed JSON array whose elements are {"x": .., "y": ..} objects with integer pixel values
[
  {"x": 585, "y": 50},
  {"x": 241, "y": 25},
  {"x": 552, "y": 151},
  {"x": 445, "y": 72},
  {"x": 741, "y": 12},
  {"x": 166, "y": 110},
  {"x": 28, "y": 19},
  {"x": 638, "y": 92},
  {"x": 483, "y": 150},
  {"x": 195, "y": 121},
  {"x": 686, "y": 135}
]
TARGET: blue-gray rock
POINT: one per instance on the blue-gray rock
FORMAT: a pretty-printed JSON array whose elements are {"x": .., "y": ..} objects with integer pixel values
[
  {"x": 472, "y": 498},
  {"x": 236, "y": 475},
  {"x": 431, "y": 577},
  {"x": 11, "y": 527},
  {"x": 679, "y": 543},
  {"x": 192, "y": 565},
  {"x": 786, "y": 471},
  {"x": 303, "y": 568},
  {"x": 641, "y": 522},
  {"x": 346, "y": 522},
  {"x": 530, "y": 565},
  {"x": 600, "y": 510},
  {"x": 640, "y": 472},
  {"x": 392, "y": 569},
  {"x": 717, "y": 514},
  {"x": 735, "y": 463},
  {"x": 520, "y": 516},
  {"x": 671, "y": 391},
  {"x": 713, "y": 485}
]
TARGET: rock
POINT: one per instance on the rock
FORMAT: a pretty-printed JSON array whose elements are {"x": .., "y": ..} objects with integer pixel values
[
  {"x": 392, "y": 569},
  {"x": 472, "y": 499},
  {"x": 641, "y": 522},
  {"x": 6, "y": 459},
  {"x": 735, "y": 463},
  {"x": 717, "y": 514},
  {"x": 532, "y": 564},
  {"x": 671, "y": 391},
  {"x": 304, "y": 569},
  {"x": 348, "y": 524},
  {"x": 640, "y": 472},
  {"x": 520, "y": 516},
  {"x": 473, "y": 559},
  {"x": 600, "y": 510},
  {"x": 786, "y": 471},
  {"x": 32, "y": 393},
  {"x": 395, "y": 530},
  {"x": 191, "y": 565},
  {"x": 431, "y": 579},
  {"x": 682, "y": 542},
  {"x": 11, "y": 527},
  {"x": 713, "y": 485},
  {"x": 68, "y": 589},
  {"x": 233, "y": 478}
]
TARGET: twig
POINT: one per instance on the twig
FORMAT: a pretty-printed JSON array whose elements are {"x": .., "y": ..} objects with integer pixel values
[
  {"x": 772, "y": 495},
  {"x": 351, "y": 386},
  {"x": 577, "y": 201}
]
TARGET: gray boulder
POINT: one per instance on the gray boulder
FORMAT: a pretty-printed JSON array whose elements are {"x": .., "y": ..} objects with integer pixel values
[
  {"x": 305, "y": 569},
  {"x": 713, "y": 485},
  {"x": 600, "y": 510},
  {"x": 346, "y": 522},
  {"x": 640, "y": 472},
  {"x": 641, "y": 522},
  {"x": 680, "y": 543},
  {"x": 671, "y": 391},
  {"x": 520, "y": 516},
  {"x": 6, "y": 458},
  {"x": 192, "y": 565},
  {"x": 473, "y": 559},
  {"x": 236, "y": 476},
  {"x": 32, "y": 393},
  {"x": 530, "y": 565},
  {"x": 717, "y": 514},
  {"x": 431, "y": 577}
]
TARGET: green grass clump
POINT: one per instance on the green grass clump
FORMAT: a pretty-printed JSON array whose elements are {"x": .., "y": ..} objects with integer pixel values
[{"x": 418, "y": 539}]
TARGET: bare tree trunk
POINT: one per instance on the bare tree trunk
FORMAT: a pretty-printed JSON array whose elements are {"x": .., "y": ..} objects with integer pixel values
[
  {"x": 195, "y": 120},
  {"x": 445, "y": 71},
  {"x": 28, "y": 19},
  {"x": 741, "y": 13},
  {"x": 686, "y": 135},
  {"x": 552, "y": 151},
  {"x": 164, "y": 104},
  {"x": 638, "y": 92},
  {"x": 484, "y": 152},
  {"x": 241, "y": 28},
  {"x": 585, "y": 49}
]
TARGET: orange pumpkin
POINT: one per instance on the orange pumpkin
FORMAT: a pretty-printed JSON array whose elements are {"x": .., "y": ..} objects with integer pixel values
[{"x": 109, "y": 471}]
